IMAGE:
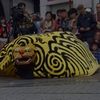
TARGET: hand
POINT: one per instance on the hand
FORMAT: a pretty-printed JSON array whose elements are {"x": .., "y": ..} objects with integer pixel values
[
  {"x": 82, "y": 29},
  {"x": 73, "y": 20},
  {"x": 88, "y": 29},
  {"x": 70, "y": 25},
  {"x": 43, "y": 31}
]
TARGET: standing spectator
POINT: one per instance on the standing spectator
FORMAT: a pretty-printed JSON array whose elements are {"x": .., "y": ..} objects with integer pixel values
[
  {"x": 88, "y": 10},
  {"x": 25, "y": 24},
  {"x": 4, "y": 26},
  {"x": 97, "y": 17},
  {"x": 86, "y": 23},
  {"x": 64, "y": 22},
  {"x": 72, "y": 13},
  {"x": 48, "y": 24}
]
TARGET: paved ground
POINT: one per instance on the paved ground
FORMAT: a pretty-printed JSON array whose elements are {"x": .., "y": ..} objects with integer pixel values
[{"x": 77, "y": 88}]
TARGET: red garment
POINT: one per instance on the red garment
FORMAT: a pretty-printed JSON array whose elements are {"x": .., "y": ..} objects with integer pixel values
[
  {"x": 57, "y": 23},
  {"x": 2, "y": 29}
]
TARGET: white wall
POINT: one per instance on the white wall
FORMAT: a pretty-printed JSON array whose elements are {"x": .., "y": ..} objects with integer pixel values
[
  {"x": 86, "y": 3},
  {"x": 29, "y": 4},
  {"x": 45, "y": 2},
  {"x": 94, "y": 5},
  {"x": 54, "y": 8},
  {"x": 44, "y": 9}
]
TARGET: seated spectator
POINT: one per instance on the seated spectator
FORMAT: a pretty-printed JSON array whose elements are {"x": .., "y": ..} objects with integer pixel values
[
  {"x": 59, "y": 17},
  {"x": 64, "y": 22},
  {"x": 39, "y": 16},
  {"x": 96, "y": 39},
  {"x": 86, "y": 24},
  {"x": 95, "y": 51},
  {"x": 36, "y": 22},
  {"x": 72, "y": 13},
  {"x": 48, "y": 24},
  {"x": 4, "y": 35},
  {"x": 79, "y": 36},
  {"x": 4, "y": 26},
  {"x": 60, "y": 29},
  {"x": 54, "y": 16}
]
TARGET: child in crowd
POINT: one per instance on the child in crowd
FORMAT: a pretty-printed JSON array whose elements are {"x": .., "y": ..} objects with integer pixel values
[
  {"x": 4, "y": 26},
  {"x": 4, "y": 37},
  {"x": 95, "y": 47},
  {"x": 60, "y": 29},
  {"x": 36, "y": 21},
  {"x": 79, "y": 36},
  {"x": 10, "y": 39},
  {"x": 95, "y": 51},
  {"x": 96, "y": 39}
]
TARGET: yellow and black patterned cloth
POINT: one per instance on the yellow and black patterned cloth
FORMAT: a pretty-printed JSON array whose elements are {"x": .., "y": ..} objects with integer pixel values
[{"x": 57, "y": 55}]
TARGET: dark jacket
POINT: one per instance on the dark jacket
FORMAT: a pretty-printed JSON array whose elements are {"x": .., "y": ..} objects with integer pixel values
[
  {"x": 86, "y": 21},
  {"x": 65, "y": 24}
]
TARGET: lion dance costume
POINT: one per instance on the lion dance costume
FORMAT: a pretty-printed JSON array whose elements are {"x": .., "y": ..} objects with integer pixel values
[{"x": 54, "y": 55}]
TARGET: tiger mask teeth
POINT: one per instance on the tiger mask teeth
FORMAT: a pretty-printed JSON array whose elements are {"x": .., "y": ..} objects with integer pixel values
[{"x": 24, "y": 60}]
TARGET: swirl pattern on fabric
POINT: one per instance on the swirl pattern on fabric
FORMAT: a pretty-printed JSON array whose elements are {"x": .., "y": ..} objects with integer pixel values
[{"x": 57, "y": 55}]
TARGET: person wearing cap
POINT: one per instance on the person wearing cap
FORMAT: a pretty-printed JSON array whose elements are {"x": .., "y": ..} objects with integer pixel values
[
  {"x": 88, "y": 10},
  {"x": 86, "y": 23},
  {"x": 64, "y": 22}
]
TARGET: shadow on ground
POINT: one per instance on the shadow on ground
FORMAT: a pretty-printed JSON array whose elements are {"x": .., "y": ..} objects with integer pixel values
[{"x": 14, "y": 82}]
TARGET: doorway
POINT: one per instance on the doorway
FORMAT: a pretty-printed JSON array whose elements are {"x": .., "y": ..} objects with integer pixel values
[
  {"x": 1, "y": 9},
  {"x": 36, "y": 6}
]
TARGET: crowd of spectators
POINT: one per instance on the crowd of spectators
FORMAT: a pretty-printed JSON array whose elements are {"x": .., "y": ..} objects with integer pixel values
[{"x": 80, "y": 21}]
